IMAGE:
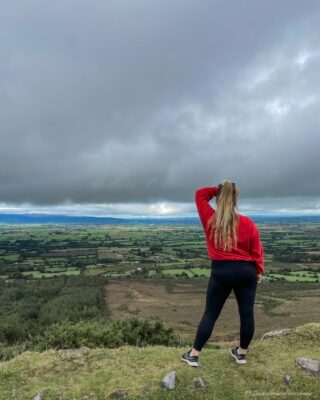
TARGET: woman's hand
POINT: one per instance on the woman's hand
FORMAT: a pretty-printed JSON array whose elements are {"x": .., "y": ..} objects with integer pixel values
[{"x": 259, "y": 278}]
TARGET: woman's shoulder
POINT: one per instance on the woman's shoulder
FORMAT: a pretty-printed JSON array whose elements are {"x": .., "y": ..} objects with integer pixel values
[
  {"x": 245, "y": 219},
  {"x": 242, "y": 216},
  {"x": 251, "y": 225}
]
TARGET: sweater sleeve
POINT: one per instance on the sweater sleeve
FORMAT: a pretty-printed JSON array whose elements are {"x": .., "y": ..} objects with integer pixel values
[
  {"x": 256, "y": 249},
  {"x": 202, "y": 198}
]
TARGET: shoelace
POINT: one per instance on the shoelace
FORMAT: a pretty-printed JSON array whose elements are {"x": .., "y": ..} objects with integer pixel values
[{"x": 241, "y": 355}]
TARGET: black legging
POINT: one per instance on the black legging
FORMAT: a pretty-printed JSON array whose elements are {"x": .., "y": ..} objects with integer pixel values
[{"x": 241, "y": 276}]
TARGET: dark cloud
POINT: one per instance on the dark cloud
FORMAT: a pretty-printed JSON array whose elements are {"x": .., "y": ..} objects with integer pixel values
[{"x": 142, "y": 102}]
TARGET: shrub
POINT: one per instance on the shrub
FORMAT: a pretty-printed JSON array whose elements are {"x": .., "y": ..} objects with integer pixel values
[
  {"x": 8, "y": 352},
  {"x": 114, "y": 333}
]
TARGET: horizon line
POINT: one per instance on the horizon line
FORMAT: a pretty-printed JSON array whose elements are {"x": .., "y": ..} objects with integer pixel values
[{"x": 124, "y": 216}]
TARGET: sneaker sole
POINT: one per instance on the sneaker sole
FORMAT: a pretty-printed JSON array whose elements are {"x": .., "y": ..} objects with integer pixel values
[
  {"x": 237, "y": 361},
  {"x": 192, "y": 364}
]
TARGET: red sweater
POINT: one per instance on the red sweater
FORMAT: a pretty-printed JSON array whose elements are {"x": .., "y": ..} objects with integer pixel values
[{"x": 249, "y": 246}]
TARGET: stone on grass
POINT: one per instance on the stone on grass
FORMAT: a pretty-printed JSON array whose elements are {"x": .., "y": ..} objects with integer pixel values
[
  {"x": 118, "y": 394},
  {"x": 287, "y": 379},
  {"x": 198, "y": 382},
  {"x": 40, "y": 395},
  {"x": 70, "y": 354},
  {"x": 309, "y": 365},
  {"x": 145, "y": 390},
  {"x": 169, "y": 381},
  {"x": 281, "y": 332},
  {"x": 15, "y": 395}
]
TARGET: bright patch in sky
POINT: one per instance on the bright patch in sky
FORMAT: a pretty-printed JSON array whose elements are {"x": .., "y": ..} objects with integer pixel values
[
  {"x": 277, "y": 108},
  {"x": 304, "y": 57}
]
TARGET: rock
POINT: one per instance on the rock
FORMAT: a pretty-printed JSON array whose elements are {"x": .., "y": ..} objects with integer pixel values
[
  {"x": 69, "y": 354},
  {"x": 15, "y": 395},
  {"x": 287, "y": 379},
  {"x": 145, "y": 390},
  {"x": 118, "y": 394},
  {"x": 281, "y": 332},
  {"x": 40, "y": 395},
  {"x": 85, "y": 397},
  {"x": 169, "y": 381},
  {"x": 312, "y": 366},
  {"x": 198, "y": 382},
  {"x": 268, "y": 377},
  {"x": 200, "y": 365}
]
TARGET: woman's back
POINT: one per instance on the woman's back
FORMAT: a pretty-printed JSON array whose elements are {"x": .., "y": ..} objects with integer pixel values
[{"x": 249, "y": 246}]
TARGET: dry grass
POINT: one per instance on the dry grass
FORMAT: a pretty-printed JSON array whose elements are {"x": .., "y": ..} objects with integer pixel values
[
  {"x": 140, "y": 370},
  {"x": 181, "y": 303}
]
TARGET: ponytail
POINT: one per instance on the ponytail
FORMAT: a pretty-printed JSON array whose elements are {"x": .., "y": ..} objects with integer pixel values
[{"x": 224, "y": 222}]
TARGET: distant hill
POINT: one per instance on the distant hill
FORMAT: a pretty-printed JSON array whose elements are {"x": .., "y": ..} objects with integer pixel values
[
  {"x": 55, "y": 219},
  {"x": 34, "y": 218}
]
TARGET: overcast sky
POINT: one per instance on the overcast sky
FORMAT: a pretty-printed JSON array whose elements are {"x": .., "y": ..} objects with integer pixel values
[{"x": 126, "y": 107}]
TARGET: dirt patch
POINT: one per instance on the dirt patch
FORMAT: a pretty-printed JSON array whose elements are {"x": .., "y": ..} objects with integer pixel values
[{"x": 181, "y": 305}]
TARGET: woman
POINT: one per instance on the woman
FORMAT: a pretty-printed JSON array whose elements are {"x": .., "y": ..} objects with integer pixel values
[{"x": 237, "y": 261}]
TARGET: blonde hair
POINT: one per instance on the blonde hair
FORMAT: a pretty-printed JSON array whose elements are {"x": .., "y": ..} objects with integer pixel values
[{"x": 224, "y": 222}]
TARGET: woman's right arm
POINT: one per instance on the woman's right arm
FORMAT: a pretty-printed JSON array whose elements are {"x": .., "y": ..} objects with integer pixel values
[{"x": 256, "y": 249}]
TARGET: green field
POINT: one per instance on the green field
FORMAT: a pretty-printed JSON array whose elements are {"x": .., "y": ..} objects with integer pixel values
[
  {"x": 56, "y": 272},
  {"x": 28, "y": 252}
]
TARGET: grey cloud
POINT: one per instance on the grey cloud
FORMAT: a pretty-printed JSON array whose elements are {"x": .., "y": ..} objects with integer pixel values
[{"x": 144, "y": 101}]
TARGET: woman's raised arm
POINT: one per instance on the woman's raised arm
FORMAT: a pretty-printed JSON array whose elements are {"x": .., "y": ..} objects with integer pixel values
[{"x": 202, "y": 198}]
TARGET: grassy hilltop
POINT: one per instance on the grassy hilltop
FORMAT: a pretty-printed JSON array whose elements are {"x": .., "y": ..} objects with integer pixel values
[{"x": 95, "y": 373}]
